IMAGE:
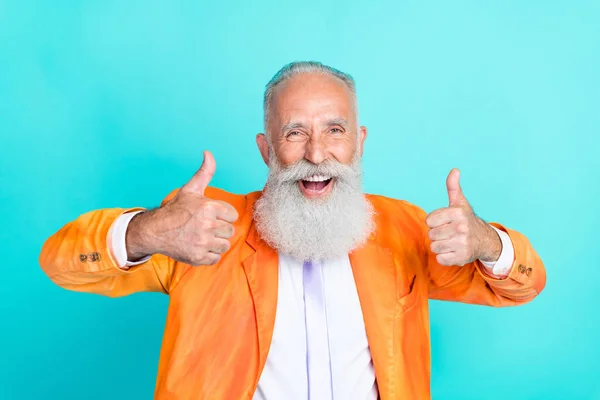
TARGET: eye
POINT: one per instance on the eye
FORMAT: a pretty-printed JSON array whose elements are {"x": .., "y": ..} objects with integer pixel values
[
  {"x": 335, "y": 130},
  {"x": 293, "y": 133}
]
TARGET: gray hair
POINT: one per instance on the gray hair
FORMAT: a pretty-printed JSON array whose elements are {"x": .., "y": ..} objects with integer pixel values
[
  {"x": 314, "y": 229},
  {"x": 299, "y": 67}
]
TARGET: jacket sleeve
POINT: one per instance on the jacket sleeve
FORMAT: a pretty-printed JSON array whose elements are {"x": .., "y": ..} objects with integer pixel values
[
  {"x": 77, "y": 257},
  {"x": 472, "y": 284}
]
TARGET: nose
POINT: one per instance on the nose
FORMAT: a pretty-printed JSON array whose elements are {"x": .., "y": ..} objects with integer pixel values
[{"x": 316, "y": 151}]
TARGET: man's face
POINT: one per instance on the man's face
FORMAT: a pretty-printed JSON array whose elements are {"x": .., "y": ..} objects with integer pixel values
[
  {"x": 313, "y": 117},
  {"x": 313, "y": 206}
]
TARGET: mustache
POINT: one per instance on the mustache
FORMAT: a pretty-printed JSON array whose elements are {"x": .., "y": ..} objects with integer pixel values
[{"x": 303, "y": 169}]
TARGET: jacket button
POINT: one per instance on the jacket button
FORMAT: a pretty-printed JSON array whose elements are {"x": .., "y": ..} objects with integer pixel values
[
  {"x": 529, "y": 271},
  {"x": 522, "y": 268},
  {"x": 82, "y": 258}
]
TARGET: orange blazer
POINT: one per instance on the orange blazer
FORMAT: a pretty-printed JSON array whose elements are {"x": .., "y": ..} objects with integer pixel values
[{"x": 221, "y": 317}]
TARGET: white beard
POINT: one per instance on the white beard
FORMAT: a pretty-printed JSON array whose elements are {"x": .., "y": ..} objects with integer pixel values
[{"x": 314, "y": 229}]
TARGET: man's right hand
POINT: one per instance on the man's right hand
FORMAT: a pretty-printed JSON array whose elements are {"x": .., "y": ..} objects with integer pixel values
[{"x": 190, "y": 228}]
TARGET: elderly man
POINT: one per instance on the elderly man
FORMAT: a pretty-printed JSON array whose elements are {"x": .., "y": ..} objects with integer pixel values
[{"x": 309, "y": 289}]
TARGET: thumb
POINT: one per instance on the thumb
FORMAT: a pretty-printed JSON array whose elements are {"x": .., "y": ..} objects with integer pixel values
[
  {"x": 455, "y": 194},
  {"x": 202, "y": 177}
]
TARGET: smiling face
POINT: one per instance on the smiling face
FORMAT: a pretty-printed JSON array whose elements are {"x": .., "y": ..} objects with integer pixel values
[
  {"x": 313, "y": 117},
  {"x": 313, "y": 206}
]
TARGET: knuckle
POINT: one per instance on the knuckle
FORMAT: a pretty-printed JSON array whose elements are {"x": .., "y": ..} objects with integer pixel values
[
  {"x": 453, "y": 231},
  {"x": 228, "y": 210},
  {"x": 226, "y": 206},
  {"x": 207, "y": 224},
  {"x": 208, "y": 207},
  {"x": 220, "y": 248},
  {"x": 186, "y": 260},
  {"x": 431, "y": 234},
  {"x": 201, "y": 258},
  {"x": 195, "y": 260},
  {"x": 433, "y": 247},
  {"x": 226, "y": 246},
  {"x": 216, "y": 258},
  {"x": 230, "y": 230},
  {"x": 428, "y": 220},
  {"x": 207, "y": 261},
  {"x": 199, "y": 255},
  {"x": 432, "y": 219},
  {"x": 457, "y": 213},
  {"x": 448, "y": 262},
  {"x": 227, "y": 230},
  {"x": 233, "y": 212},
  {"x": 203, "y": 241}
]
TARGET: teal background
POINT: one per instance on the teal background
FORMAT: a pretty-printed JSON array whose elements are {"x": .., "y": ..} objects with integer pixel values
[{"x": 110, "y": 103}]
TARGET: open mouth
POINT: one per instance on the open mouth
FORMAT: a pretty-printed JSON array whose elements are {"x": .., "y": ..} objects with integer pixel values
[{"x": 316, "y": 185}]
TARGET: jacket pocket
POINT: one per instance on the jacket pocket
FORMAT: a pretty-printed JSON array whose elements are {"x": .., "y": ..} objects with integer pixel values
[{"x": 408, "y": 296}]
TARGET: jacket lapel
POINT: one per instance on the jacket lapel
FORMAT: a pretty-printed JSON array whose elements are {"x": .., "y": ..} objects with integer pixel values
[
  {"x": 261, "y": 267},
  {"x": 375, "y": 278}
]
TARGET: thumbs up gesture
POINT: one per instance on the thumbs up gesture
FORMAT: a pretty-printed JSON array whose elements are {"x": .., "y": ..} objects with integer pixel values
[
  {"x": 457, "y": 235},
  {"x": 190, "y": 228}
]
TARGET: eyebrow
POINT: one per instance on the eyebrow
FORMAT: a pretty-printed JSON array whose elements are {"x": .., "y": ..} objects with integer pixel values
[
  {"x": 292, "y": 125},
  {"x": 296, "y": 125},
  {"x": 337, "y": 121}
]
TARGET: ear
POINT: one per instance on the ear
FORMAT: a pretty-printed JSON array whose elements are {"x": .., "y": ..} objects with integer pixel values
[
  {"x": 362, "y": 135},
  {"x": 263, "y": 147}
]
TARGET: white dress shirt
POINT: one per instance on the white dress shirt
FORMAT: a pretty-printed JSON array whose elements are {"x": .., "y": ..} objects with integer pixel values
[
  {"x": 352, "y": 373},
  {"x": 285, "y": 375}
]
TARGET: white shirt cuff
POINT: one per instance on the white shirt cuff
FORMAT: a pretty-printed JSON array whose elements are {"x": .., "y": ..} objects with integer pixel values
[
  {"x": 507, "y": 256},
  {"x": 117, "y": 241}
]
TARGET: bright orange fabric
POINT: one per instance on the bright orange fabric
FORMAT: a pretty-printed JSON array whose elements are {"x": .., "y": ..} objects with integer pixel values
[{"x": 221, "y": 317}]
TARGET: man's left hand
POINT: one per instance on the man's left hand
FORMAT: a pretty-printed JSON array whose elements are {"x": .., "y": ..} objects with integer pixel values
[{"x": 458, "y": 236}]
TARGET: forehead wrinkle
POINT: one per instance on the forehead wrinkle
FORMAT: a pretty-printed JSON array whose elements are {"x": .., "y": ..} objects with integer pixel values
[
  {"x": 297, "y": 98},
  {"x": 326, "y": 100}
]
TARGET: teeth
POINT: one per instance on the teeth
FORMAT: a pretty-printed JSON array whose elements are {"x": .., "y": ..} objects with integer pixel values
[{"x": 317, "y": 178}]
